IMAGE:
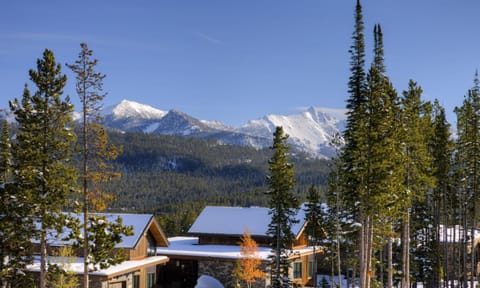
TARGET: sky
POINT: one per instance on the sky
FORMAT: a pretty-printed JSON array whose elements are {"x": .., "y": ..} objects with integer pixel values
[{"x": 238, "y": 60}]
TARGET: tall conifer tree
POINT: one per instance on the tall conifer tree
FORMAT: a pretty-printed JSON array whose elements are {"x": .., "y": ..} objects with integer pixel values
[
  {"x": 95, "y": 154},
  {"x": 283, "y": 207},
  {"x": 441, "y": 147},
  {"x": 43, "y": 167},
  {"x": 5, "y": 154},
  {"x": 468, "y": 147},
  {"x": 419, "y": 178},
  {"x": 313, "y": 216},
  {"x": 353, "y": 155},
  {"x": 15, "y": 233},
  {"x": 371, "y": 174}
]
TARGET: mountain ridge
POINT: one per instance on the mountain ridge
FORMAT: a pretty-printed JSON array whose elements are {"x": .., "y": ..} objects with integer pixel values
[{"x": 310, "y": 131}]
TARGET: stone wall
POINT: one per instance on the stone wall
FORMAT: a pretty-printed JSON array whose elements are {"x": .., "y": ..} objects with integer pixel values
[{"x": 222, "y": 269}]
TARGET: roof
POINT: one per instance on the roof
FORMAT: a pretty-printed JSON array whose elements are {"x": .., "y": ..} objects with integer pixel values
[
  {"x": 222, "y": 220},
  {"x": 189, "y": 247},
  {"x": 139, "y": 222},
  {"x": 75, "y": 264}
]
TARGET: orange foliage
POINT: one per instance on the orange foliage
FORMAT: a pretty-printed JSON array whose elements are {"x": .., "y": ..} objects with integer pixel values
[{"x": 247, "y": 268}]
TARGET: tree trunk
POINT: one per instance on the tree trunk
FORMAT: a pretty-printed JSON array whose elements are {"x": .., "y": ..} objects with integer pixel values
[
  {"x": 43, "y": 257},
  {"x": 406, "y": 250},
  {"x": 390, "y": 262},
  {"x": 363, "y": 252}
]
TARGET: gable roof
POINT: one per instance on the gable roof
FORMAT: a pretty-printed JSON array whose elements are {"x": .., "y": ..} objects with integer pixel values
[
  {"x": 141, "y": 223},
  {"x": 221, "y": 220}
]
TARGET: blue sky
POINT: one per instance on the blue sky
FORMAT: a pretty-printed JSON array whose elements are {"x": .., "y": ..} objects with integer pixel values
[{"x": 232, "y": 60}]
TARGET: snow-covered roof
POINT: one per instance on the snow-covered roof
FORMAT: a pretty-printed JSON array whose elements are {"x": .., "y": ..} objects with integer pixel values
[
  {"x": 188, "y": 246},
  {"x": 139, "y": 223},
  {"x": 222, "y": 220},
  {"x": 75, "y": 264}
]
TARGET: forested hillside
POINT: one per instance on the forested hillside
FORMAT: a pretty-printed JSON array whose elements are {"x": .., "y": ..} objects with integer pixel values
[{"x": 175, "y": 177}]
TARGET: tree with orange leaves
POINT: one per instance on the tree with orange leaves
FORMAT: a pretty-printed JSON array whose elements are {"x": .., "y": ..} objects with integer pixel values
[{"x": 247, "y": 268}]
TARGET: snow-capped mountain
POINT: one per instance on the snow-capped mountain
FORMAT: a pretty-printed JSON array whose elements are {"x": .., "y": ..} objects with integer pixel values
[{"x": 310, "y": 131}]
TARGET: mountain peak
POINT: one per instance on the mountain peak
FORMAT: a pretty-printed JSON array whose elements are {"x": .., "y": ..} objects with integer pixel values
[
  {"x": 131, "y": 109},
  {"x": 310, "y": 131}
]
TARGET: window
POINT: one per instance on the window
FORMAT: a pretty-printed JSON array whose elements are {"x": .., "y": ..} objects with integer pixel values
[
  {"x": 151, "y": 247},
  {"x": 136, "y": 281},
  {"x": 150, "y": 280},
  {"x": 297, "y": 270},
  {"x": 310, "y": 269}
]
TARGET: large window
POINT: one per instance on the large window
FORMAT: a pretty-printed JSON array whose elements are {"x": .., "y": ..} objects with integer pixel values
[{"x": 297, "y": 270}]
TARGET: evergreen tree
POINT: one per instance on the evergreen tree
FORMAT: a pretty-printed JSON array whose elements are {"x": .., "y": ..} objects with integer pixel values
[
  {"x": 419, "y": 180},
  {"x": 15, "y": 233},
  {"x": 104, "y": 235},
  {"x": 5, "y": 154},
  {"x": 468, "y": 147},
  {"x": 313, "y": 215},
  {"x": 94, "y": 151},
  {"x": 61, "y": 275},
  {"x": 353, "y": 155},
  {"x": 441, "y": 147},
  {"x": 371, "y": 177},
  {"x": 283, "y": 207},
  {"x": 43, "y": 168}
]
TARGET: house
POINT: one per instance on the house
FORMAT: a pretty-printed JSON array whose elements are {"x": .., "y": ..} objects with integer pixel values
[
  {"x": 212, "y": 248},
  {"x": 140, "y": 270},
  {"x": 453, "y": 239}
]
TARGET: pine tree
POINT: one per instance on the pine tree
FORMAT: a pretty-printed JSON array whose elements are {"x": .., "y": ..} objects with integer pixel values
[
  {"x": 283, "y": 207},
  {"x": 371, "y": 175},
  {"x": 94, "y": 150},
  {"x": 247, "y": 268},
  {"x": 441, "y": 147},
  {"x": 468, "y": 143},
  {"x": 418, "y": 179},
  {"x": 61, "y": 275},
  {"x": 15, "y": 233},
  {"x": 313, "y": 215},
  {"x": 43, "y": 166},
  {"x": 5, "y": 154},
  {"x": 353, "y": 155}
]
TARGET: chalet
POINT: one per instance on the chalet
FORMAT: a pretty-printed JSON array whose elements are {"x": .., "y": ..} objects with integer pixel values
[
  {"x": 142, "y": 265},
  {"x": 212, "y": 248}
]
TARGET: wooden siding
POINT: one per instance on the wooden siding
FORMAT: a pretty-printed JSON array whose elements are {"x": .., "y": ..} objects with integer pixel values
[
  {"x": 304, "y": 276},
  {"x": 301, "y": 241},
  {"x": 140, "y": 250}
]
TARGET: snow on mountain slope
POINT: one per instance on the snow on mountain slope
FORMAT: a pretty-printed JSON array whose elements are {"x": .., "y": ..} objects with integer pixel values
[
  {"x": 311, "y": 131},
  {"x": 130, "y": 109}
]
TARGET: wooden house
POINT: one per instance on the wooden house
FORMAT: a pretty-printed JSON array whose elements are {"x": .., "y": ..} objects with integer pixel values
[
  {"x": 212, "y": 248},
  {"x": 140, "y": 270}
]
